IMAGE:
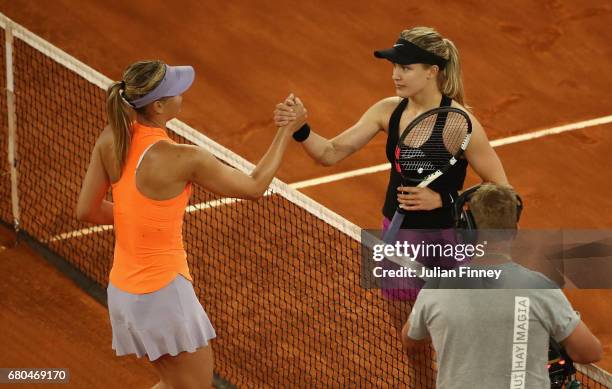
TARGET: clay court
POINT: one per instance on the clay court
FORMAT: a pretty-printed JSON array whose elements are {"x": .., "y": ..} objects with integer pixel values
[{"x": 528, "y": 67}]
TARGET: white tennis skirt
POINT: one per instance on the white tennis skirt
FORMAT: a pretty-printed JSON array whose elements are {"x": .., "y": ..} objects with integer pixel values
[{"x": 168, "y": 321}]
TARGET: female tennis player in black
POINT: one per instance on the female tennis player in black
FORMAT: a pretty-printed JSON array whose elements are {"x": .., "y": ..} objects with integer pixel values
[{"x": 426, "y": 75}]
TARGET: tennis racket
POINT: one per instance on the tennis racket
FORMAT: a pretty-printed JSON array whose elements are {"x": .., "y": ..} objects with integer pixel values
[{"x": 432, "y": 143}]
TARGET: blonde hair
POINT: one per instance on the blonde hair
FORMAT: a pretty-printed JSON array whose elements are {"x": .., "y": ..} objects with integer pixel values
[
  {"x": 494, "y": 207},
  {"x": 140, "y": 78},
  {"x": 449, "y": 80}
]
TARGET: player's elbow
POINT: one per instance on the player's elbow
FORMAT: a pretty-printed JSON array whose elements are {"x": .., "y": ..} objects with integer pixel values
[
  {"x": 254, "y": 192},
  {"x": 252, "y": 196},
  {"x": 329, "y": 156},
  {"x": 329, "y": 159},
  {"x": 82, "y": 213},
  {"x": 325, "y": 162},
  {"x": 84, "y": 216}
]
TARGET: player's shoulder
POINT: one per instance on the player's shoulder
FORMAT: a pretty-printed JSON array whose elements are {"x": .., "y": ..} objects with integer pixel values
[
  {"x": 388, "y": 103},
  {"x": 176, "y": 152},
  {"x": 185, "y": 155},
  {"x": 181, "y": 148},
  {"x": 457, "y": 105},
  {"x": 175, "y": 159},
  {"x": 468, "y": 111},
  {"x": 383, "y": 108}
]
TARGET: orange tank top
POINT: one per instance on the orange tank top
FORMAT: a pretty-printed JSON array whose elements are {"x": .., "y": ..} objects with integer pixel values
[{"x": 149, "y": 250}]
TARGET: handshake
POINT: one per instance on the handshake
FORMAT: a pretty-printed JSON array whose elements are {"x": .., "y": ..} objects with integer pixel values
[{"x": 291, "y": 115}]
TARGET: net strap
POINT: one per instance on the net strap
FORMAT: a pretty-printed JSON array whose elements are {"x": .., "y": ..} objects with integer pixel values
[{"x": 12, "y": 125}]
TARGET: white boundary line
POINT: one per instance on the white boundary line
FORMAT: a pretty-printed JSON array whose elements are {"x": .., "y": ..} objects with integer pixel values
[
  {"x": 78, "y": 233},
  {"x": 341, "y": 176},
  {"x": 552, "y": 131},
  {"x": 495, "y": 143},
  {"x": 96, "y": 229}
]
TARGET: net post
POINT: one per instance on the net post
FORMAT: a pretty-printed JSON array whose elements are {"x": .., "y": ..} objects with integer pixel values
[{"x": 12, "y": 122}]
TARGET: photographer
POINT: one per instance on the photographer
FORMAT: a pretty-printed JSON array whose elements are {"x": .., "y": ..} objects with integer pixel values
[{"x": 497, "y": 336}]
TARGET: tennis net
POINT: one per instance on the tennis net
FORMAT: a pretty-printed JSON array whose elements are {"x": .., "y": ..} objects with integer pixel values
[{"x": 279, "y": 277}]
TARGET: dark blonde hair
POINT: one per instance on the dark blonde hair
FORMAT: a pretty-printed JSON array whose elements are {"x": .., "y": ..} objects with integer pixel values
[
  {"x": 140, "y": 78},
  {"x": 449, "y": 80},
  {"x": 494, "y": 207}
]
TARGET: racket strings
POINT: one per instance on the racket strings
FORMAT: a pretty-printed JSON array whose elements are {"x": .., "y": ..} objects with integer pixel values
[
  {"x": 432, "y": 143},
  {"x": 454, "y": 133},
  {"x": 421, "y": 133}
]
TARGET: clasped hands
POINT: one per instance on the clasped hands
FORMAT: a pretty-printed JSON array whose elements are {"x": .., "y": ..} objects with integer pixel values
[
  {"x": 289, "y": 111},
  {"x": 410, "y": 198}
]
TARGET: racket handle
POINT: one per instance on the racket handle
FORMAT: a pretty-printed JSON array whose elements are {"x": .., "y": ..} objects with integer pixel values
[{"x": 396, "y": 223}]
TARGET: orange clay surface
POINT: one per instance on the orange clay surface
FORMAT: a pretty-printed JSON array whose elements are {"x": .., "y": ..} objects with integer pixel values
[{"x": 527, "y": 66}]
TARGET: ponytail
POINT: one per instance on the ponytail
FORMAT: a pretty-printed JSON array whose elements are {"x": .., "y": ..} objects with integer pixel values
[
  {"x": 138, "y": 79},
  {"x": 450, "y": 81},
  {"x": 119, "y": 116}
]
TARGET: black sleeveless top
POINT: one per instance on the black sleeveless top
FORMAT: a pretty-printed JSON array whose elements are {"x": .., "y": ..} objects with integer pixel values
[{"x": 451, "y": 181}]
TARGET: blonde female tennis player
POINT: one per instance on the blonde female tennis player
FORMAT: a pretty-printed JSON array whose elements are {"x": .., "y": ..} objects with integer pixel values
[
  {"x": 152, "y": 304},
  {"x": 426, "y": 75}
]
